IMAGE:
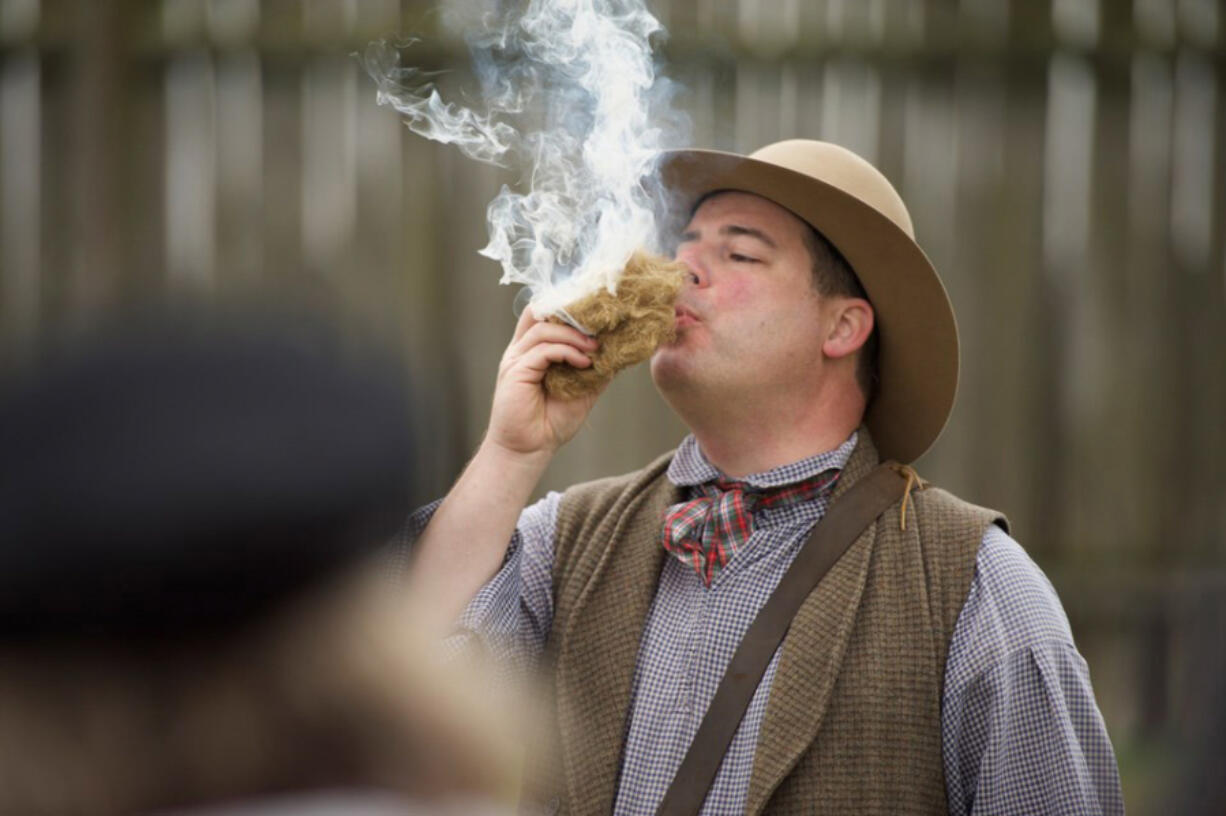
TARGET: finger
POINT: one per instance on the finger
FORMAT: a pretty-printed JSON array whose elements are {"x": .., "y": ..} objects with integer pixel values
[
  {"x": 540, "y": 357},
  {"x": 525, "y": 322},
  {"x": 547, "y": 332}
]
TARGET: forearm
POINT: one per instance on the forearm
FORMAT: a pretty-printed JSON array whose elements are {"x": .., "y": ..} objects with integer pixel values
[
  {"x": 466, "y": 540},
  {"x": 468, "y": 536}
]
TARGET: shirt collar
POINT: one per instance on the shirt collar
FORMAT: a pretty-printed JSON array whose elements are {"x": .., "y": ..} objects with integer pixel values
[{"x": 690, "y": 467}]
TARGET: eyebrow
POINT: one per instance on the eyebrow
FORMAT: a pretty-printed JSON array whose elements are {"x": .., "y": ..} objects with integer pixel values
[{"x": 734, "y": 229}]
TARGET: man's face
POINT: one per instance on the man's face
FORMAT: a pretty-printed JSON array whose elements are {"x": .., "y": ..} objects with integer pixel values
[{"x": 749, "y": 320}]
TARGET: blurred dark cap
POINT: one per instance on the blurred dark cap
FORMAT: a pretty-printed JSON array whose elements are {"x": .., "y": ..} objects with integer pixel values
[{"x": 180, "y": 475}]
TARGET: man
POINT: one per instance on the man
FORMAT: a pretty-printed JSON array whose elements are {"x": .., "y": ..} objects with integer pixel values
[{"x": 932, "y": 669}]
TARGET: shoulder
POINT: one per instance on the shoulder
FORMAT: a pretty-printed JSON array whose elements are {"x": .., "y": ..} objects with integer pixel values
[
  {"x": 941, "y": 509},
  {"x": 949, "y": 532},
  {"x": 538, "y": 521},
  {"x": 1011, "y": 607}
]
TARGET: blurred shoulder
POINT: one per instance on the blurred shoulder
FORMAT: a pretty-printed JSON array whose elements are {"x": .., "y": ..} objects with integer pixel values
[{"x": 347, "y": 803}]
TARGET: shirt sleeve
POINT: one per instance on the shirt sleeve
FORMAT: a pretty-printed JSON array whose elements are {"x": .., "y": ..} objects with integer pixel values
[
  {"x": 1021, "y": 730},
  {"x": 510, "y": 616}
]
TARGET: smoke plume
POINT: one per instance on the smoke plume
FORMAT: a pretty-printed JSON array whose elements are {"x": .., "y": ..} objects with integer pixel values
[{"x": 570, "y": 95}]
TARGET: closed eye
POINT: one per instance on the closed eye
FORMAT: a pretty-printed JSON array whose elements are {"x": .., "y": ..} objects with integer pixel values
[{"x": 738, "y": 258}]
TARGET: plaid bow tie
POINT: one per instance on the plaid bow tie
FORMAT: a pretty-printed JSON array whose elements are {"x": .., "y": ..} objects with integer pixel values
[{"x": 707, "y": 531}]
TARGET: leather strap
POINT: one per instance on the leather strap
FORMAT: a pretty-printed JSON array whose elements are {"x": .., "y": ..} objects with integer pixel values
[{"x": 843, "y": 523}]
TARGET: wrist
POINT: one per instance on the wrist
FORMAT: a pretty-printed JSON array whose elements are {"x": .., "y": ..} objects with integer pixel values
[{"x": 514, "y": 463}]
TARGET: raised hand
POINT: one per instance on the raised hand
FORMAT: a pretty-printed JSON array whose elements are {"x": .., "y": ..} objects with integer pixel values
[{"x": 524, "y": 419}]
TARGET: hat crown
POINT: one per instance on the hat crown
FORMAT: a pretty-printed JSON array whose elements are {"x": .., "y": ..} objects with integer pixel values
[{"x": 843, "y": 170}]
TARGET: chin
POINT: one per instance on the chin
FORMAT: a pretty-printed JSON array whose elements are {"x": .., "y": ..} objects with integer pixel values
[
  {"x": 667, "y": 368},
  {"x": 675, "y": 371}
]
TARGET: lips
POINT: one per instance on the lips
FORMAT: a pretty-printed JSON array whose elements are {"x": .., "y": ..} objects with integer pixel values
[
  {"x": 685, "y": 316},
  {"x": 682, "y": 310}
]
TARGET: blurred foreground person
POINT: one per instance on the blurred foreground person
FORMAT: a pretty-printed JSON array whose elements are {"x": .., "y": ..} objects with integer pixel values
[{"x": 189, "y": 618}]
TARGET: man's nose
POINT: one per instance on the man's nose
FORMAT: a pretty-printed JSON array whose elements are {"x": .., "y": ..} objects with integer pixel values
[{"x": 696, "y": 270}]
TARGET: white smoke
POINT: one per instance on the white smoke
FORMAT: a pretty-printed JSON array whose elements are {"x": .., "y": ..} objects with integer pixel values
[{"x": 569, "y": 93}]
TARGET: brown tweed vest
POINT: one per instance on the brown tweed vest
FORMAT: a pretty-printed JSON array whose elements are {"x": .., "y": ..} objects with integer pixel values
[{"x": 853, "y": 724}]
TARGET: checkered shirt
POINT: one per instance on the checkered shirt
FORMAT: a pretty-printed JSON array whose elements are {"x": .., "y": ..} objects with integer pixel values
[{"x": 1021, "y": 732}]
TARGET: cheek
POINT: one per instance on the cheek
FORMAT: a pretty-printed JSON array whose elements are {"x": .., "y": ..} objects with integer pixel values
[
  {"x": 735, "y": 294},
  {"x": 762, "y": 309}
]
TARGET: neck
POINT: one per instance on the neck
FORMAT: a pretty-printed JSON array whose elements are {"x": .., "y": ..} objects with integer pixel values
[{"x": 741, "y": 437}]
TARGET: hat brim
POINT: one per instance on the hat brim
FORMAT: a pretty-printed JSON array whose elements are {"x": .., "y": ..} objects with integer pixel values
[{"x": 917, "y": 334}]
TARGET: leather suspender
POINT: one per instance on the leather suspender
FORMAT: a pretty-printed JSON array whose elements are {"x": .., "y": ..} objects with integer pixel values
[{"x": 843, "y": 523}]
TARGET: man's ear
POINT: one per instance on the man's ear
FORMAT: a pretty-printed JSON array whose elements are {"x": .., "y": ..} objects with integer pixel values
[{"x": 850, "y": 325}]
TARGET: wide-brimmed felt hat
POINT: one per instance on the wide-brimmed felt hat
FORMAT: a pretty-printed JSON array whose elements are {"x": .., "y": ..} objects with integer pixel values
[{"x": 857, "y": 209}]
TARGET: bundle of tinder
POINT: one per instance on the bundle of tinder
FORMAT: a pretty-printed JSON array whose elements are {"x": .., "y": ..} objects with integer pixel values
[{"x": 629, "y": 324}]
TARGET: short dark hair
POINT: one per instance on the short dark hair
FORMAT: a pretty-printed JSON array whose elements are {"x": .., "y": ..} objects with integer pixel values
[{"x": 834, "y": 277}]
